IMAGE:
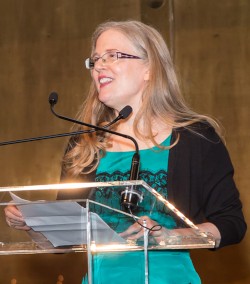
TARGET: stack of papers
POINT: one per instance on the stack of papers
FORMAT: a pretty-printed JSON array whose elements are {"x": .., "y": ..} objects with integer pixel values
[{"x": 64, "y": 223}]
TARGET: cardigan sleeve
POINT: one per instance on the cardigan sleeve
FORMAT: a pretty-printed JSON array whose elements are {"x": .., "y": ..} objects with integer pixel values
[
  {"x": 220, "y": 197},
  {"x": 201, "y": 185}
]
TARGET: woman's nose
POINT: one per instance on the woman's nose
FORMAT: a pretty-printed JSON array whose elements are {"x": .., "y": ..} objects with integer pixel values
[{"x": 99, "y": 64}]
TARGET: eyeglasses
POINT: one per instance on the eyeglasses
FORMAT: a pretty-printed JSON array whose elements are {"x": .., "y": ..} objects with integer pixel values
[{"x": 108, "y": 58}]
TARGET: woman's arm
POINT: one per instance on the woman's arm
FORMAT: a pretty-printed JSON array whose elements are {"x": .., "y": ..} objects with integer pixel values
[{"x": 161, "y": 234}]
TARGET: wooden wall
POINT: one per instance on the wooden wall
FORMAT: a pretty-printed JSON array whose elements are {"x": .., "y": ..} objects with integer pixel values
[
  {"x": 42, "y": 47},
  {"x": 212, "y": 52}
]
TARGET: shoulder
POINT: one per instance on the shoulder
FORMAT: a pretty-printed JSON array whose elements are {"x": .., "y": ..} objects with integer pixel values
[
  {"x": 199, "y": 131},
  {"x": 197, "y": 142}
]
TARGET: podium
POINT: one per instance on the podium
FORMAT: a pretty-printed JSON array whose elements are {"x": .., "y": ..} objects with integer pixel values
[{"x": 95, "y": 224}]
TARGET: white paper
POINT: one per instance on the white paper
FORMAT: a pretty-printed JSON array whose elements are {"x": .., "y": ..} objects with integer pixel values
[{"x": 64, "y": 223}]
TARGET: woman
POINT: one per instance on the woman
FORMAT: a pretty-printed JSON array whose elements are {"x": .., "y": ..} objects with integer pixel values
[{"x": 182, "y": 153}]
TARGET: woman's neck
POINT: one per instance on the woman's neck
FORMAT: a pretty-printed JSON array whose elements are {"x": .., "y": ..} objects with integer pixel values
[{"x": 119, "y": 144}]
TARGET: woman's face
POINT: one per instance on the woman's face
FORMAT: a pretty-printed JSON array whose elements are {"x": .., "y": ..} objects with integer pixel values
[{"x": 122, "y": 82}]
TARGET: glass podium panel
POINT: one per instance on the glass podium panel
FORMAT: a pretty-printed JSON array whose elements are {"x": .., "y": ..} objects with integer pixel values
[{"x": 112, "y": 217}]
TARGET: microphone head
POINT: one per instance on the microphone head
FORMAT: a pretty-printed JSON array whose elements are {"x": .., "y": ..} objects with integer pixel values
[
  {"x": 125, "y": 112},
  {"x": 53, "y": 98}
]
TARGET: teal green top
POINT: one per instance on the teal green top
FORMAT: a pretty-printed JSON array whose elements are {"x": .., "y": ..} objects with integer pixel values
[{"x": 172, "y": 266}]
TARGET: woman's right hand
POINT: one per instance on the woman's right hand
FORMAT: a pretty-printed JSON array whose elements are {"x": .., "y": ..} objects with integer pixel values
[{"x": 14, "y": 218}]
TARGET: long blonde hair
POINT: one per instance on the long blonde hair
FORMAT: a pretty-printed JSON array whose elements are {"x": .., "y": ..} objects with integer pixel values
[{"x": 162, "y": 99}]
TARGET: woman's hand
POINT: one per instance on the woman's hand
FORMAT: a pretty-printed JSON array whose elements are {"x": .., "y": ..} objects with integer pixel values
[
  {"x": 162, "y": 235},
  {"x": 14, "y": 218},
  {"x": 136, "y": 231}
]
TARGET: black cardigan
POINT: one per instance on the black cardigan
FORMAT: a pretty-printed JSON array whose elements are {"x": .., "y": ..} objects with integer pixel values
[
  {"x": 201, "y": 185},
  {"x": 200, "y": 182}
]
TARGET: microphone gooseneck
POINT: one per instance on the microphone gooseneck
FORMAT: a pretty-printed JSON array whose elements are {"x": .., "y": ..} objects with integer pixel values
[
  {"x": 92, "y": 126},
  {"x": 53, "y": 98},
  {"x": 123, "y": 114},
  {"x": 130, "y": 197}
]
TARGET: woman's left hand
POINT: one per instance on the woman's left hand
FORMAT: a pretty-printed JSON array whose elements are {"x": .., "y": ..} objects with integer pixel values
[{"x": 136, "y": 231}]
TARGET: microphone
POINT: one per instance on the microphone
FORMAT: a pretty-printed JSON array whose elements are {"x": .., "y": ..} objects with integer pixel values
[
  {"x": 130, "y": 197},
  {"x": 123, "y": 114}
]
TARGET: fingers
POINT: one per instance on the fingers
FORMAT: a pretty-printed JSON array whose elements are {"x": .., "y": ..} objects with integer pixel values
[
  {"x": 133, "y": 229},
  {"x": 17, "y": 224},
  {"x": 136, "y": 230},
  {"x": 11, "y": 212},
  {"x": 23, "y": 227},
  {"x": 14, "y": 218}
]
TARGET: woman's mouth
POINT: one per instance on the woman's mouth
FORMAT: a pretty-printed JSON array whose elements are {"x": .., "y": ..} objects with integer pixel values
[{"x": 103, "y": 81}]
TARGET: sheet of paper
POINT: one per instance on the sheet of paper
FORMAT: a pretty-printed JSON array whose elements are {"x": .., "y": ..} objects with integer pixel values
[{"x": 64, "y": 223}]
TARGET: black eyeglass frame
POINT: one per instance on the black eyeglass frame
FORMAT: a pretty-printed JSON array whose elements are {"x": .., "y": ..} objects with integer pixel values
[{"x": 90, "y": 62}]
